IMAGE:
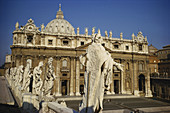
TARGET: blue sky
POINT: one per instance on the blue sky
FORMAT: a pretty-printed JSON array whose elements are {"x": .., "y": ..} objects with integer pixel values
[{"x": 152, "y": 17}]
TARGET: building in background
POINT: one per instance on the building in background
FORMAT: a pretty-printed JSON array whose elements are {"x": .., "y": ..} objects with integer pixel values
[
  {"x": 161, "y": 82},
  {"x": 59, "y": 40},
  {"x": 153, "y": 60}
]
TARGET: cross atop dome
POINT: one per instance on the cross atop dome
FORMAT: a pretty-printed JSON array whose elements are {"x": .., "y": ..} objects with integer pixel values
[{"x": 60, "y": 13}]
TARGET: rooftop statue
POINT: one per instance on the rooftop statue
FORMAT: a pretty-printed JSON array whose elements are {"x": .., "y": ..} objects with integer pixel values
[{"x": 99, "y": 64}]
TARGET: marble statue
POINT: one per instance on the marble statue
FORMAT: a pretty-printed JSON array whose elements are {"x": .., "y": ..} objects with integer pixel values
[
  {"x": 7, "y": 72},
  {"x": 19, "y": 75},
  {"x": 110, "y": 34},
  {"x": 17, "y": 26},
  {"x": 21, "y": 72},
  {"x": 86, "y": 31},
  {"x": 14, "y": 73},
  {"x": 121, "y": 35},
  {"x": 99, "y": 64},
  {"x": 49, "y": 78},
  {"x": 72, "y": 31},
  {"x": 93, "y": 30},
  {"x": 37, "y": 81},
  {"x": 106, "y": 35},
  {"x": 42, "y": 27},
  {"x": 78, "y": 31},
  {"x": 11, "y": 71},
  {"x": 27, "y": 76}
]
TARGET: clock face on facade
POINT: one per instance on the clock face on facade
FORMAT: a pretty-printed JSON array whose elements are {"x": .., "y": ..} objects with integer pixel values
[
  {"x": 140, "y": 39},
  {"x": 30, "y": 28}
]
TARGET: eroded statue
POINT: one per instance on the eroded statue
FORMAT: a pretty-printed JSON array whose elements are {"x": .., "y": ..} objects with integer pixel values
[
  {"x": 49, "y": 78},
  {"x": 27, "y": 76},
  {"x": 99, "y": 64},
  {"x": 19, "y": 75},
  {"x": 37, "y": 81}
]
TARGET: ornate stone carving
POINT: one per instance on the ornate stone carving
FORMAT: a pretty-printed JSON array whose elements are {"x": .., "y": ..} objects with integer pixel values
[
  {"x": 49, "y": 78},
  {"x": 99, "y": 64},
  {"x": 37, "y": 81},
  {"x": 27, "y": 76}
]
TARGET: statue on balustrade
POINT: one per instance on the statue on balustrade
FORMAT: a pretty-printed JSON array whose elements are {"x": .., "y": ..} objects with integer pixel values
[
  {"x": 27, "y": 76},
  {"x": 37, "y": 81},
  {"x": 99, "y": 64},
  {"x": 19, "y": 75},
  {"x": 49, "y": 78}
]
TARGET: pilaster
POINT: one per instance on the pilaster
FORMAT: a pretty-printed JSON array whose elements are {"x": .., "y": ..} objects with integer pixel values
[
  {"x": 71, "y": 76},
  {"x": 58, "y": 92},
  {"x": 77, "y": 76}
]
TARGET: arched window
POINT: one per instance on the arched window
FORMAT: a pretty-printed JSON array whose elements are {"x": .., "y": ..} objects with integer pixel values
[
  {"x": 64, "y": 63},
  {"x": 140, "y": 66},
  {"x": 127, "y": 66}
]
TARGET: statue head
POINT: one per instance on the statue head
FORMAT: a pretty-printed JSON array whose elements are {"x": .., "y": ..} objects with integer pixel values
[
  {"x": 29, "y": 62},
  {"x": 21, "y": 66},
  {"x": 98, "y": 38},
  {"x": 50, "y": 60},
  {"x": 41, "y": 64}
]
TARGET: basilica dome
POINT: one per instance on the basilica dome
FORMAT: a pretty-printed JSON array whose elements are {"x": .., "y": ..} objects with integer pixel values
[{"x": 59, "y": 25}]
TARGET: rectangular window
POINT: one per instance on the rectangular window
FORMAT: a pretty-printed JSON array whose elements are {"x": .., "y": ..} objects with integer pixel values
[
  {"x": 82, "y": 43},
  {"x": 65, "y": 42},
  {"x": 29, "y": 38},
  {"x": 64, "y": 74},
  {"x": 81, "y": 74},
  {"x": 50, "y": 42},
  {"x": 116, "y": 75},
  {"x": 127, "y": 47},
  {"x": 140, "y": 47},
  {"x": 116, "y": 46}
]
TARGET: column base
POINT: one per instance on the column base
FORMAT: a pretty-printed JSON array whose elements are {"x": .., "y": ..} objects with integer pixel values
[
  {"x": 58, "y": 94},
  {"x": 108, "y": 93},
  {"x": 113, "y": 92},
  {"x": 149, "y": 94},
  {"x": 78, "y": 94},
  {"x": 71, "y": 94},
  {"x": 136, "y": 93}
]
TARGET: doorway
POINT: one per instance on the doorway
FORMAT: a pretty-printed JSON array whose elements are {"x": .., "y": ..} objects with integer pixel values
[
  {"x": 116, "y": 86},
  {"x": 64, "y": 87},
  {"x": 142, "y": 83}
]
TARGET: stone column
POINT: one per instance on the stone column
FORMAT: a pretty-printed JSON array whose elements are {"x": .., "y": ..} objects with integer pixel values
[
  {"x": 58, "y": 92},
  {"x": 147, "y": 89},
  {"x": 136, "y": 88},
  {"x": 122, "y": 77},
  {"x": 71, "y": 76},
  {"x": 112, "y": 86},
  {"x": 77, "y": 76}
]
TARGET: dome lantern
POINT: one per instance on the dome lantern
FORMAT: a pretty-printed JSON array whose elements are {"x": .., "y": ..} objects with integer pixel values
[{"x": 60, "y": 13}]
